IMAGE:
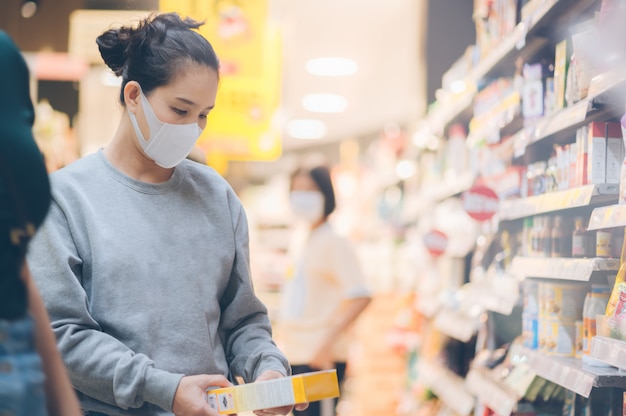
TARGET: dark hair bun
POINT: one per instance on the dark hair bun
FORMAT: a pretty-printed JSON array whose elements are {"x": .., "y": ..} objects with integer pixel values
[
  {"x": 155, "y": 50},
  {"x": 113, "y": 46},
  {"x": 117, "y": 45}
]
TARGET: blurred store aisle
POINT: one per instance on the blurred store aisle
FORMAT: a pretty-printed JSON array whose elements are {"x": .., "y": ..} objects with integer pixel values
[{"x": 376, "y": 370}]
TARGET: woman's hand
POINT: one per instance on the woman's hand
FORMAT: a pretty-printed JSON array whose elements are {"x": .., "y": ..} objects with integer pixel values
[
  {"x": 190, "y": 397},
  {"x": 271, "y": 375}
]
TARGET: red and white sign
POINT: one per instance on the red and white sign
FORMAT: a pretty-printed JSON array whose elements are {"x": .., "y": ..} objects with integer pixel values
[
  {"x": 480, "y": 203},
  {"x": 436, "y": 242}
]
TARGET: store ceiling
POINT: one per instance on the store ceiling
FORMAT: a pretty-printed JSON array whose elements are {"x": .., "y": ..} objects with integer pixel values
[{"x": 381, "y": 37}]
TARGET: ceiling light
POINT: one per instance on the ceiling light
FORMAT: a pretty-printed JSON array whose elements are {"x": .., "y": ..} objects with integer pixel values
[
  {"x": 458, "y": 86},
  {"x": 331, "y": 67},
  {"x": 324, "y": 103},
  {"x": 29, "y": 8},
  {"x": 306, "y": 129},
  {"x": 405, "y": 169}
]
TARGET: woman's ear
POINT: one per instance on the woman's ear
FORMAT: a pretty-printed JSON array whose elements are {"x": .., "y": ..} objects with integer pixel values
[{"x": 132, "y": 95}]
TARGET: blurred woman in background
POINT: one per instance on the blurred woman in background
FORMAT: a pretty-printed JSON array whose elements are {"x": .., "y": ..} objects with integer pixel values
[{"x": 327, "y": 290}]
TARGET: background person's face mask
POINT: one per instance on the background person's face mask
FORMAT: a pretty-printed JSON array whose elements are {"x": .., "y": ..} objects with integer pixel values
[
  {"x": 307, "y": 205},
  {"x": 169, "y": 144}
]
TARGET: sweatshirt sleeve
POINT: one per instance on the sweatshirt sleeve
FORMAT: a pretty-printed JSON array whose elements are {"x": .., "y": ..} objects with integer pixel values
[
  {"x": 99, "y": 365},
  {"x": 245, "y": 325}
]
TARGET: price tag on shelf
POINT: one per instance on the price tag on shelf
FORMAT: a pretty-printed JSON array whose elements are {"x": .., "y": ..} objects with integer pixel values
[
  {"x": 436, "y": 242},
  {"x": 480, "y": 203}
]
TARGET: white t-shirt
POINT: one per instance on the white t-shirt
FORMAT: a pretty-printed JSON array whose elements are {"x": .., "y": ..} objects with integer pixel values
[{"x": 325, "y": 274}]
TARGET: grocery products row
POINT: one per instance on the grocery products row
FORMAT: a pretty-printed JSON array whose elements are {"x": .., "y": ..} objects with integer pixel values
[{"x": 530, "y": 319}]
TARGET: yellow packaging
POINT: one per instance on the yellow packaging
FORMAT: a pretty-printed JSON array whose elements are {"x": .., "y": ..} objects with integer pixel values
[
  {"x": 301, "y": 388},
  {"x": 620, "y": 278}
]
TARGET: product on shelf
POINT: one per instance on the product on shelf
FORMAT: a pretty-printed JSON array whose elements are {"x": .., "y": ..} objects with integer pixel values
[
  {"x": 617, "y": 301},
  {"x": 561, "y": 61},
  {"x": 622, "y": 180},
  {"x": 560, "y": 306},
  {"x": 583, "y": 242},
  {"x": 595, "y": 304},
  {"x": 603, "y": 243},
  {"x": 530, "y": 314}
]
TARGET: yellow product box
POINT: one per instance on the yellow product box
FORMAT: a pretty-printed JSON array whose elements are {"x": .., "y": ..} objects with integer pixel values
[{"x": 301, "y": 388}]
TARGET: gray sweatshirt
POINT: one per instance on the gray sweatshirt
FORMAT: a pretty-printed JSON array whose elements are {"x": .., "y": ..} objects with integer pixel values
[{"x": 145, "y": 283}]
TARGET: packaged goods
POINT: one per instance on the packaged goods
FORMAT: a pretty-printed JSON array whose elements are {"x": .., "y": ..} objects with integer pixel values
[
  {"x": 301, "y": 388},
  {"x": 603, "y": 243},
  {"x": 560, "y": 337},
  {"x": 579, "y": 339},
  {"x": 562, "y": 300},
  {"x": 596, "y": 153},
  {"x": 622, "y": 181},
  {"x": 619, "y": 279},
  {"x": 614, "y": 152},
  {"x": 595, "y": 303},
  {"x": 530, "y": 293},
  {"x": 530, "y": 331}
]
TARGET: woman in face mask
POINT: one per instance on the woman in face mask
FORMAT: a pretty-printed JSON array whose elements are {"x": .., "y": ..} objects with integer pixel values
[
  {"x": 327, "y": 289},
  {"x": 143, "y": 259}
]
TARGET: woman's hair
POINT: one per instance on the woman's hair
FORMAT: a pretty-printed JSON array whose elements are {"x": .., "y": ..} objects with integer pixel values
[
  {"x": 321, "y": 176},
  {"x": 153, "y": 53}
]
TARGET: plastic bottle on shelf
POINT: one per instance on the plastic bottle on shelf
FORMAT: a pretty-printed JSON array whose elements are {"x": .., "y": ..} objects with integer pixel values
[
  {"x": 557, "y": 243},
  {"x": 579, "y": 239},
  {"x": 527, "y": 237},
  {"x": 595, "y": 304},
  {"x": 546, "y": 237}
]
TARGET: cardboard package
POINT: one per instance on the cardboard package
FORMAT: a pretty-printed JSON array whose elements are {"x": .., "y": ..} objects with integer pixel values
[{"x": 301, "y": 388}]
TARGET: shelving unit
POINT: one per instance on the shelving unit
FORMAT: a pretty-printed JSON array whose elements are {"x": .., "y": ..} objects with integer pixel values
[
  {"x": 527, "y": 142},
  {"x": 608, "y": 217},
  {"x": 490, "y": 391},
  {"x": 585, "y": 196},
  {"x": 449, "y": 387},
  {"x": 456, "y": 324},
  {"x": 499, "y": 294},
  {"x": 610, "y": 351},
  {"x": 570, "y": 373},
  {"x": 522, "y": 42},
  {"x": 561, "y": 268}
]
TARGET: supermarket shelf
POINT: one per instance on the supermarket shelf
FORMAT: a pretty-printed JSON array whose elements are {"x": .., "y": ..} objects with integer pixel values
[
  {"x": 444, "y": 113},
  {"x": 447, "y": 386},
  {"x": 587, "y": 195},
  {"x": 560, "y": 268},
  {"x": 496, "y": 294},
  {"x": 515, "y": 44},
  {"x": 570, "y": 373},
  {"x": 608, "y": 217},
  {"x": 603, "y": 90},
  {"x": 456, "y": 324},
  {"x": 500, "y": 121},
  {"x": 448, "y": 189},
  {"x": 610, "y": 351},
  {"x": 491, "y": 392},
  {"x": 515, "y": 41}
]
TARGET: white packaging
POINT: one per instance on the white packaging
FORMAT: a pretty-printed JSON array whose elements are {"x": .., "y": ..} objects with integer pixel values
[
  {"x": 596, "y": 153},
  {"x": 614, "y": 152}
]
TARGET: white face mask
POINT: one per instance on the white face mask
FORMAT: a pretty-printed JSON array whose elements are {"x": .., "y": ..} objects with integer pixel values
[
  {"x": 307, "y": 205},
  {"x": 169, "y": 144}
]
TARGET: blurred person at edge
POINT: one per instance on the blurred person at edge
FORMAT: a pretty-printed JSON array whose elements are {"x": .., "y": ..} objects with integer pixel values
[
  {"x": 33, "y": 380},
  {"x": 327, "y": 290},
  {"x": 142, "y": 261}
]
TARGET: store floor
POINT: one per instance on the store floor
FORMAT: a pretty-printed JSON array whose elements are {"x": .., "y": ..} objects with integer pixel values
[{"x": 376, "y": 371}]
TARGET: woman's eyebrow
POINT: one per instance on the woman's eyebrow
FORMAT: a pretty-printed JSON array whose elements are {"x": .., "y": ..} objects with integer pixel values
[{"x": 187, "y": 101}]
